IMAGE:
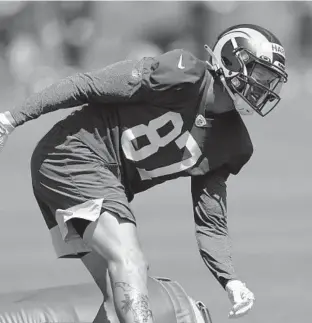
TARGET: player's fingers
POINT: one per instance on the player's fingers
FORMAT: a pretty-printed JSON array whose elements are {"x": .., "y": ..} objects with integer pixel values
[
  {"x": 241, "y": 312},
  {"x": 244, "y": 310},
  {"x": 247, "y": 295},
  {"x": 241, "y": 309}
]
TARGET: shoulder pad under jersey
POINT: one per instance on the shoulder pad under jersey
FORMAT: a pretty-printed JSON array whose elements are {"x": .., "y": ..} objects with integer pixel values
[{"x": 172, "y": 77}]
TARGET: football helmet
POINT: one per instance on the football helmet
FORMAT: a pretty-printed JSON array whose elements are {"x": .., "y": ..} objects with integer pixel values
[{"x": 250, "y": 61}]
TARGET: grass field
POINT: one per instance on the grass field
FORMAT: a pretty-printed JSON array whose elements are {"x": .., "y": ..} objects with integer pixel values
[{"x": 269, "y": 220}]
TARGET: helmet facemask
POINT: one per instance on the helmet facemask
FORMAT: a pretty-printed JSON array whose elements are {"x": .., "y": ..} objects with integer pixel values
[{"x": 257, "y": 81}]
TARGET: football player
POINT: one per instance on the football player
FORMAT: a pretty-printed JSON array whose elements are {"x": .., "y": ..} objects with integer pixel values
[{"x": 142, "y": 123}]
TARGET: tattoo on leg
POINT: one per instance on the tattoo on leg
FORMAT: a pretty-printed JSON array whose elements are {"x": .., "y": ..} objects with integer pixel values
[{"x": 135, "y": 302}]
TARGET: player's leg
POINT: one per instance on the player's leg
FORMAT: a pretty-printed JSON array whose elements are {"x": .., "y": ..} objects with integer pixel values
[
  {"x": 116, "y": 240},
  {"x": 96, "y": 265},
  {"x": 74, "y": 183}
]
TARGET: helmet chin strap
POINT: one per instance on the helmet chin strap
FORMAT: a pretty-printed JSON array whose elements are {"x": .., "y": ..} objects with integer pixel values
[{"x": 215, "y": 66}]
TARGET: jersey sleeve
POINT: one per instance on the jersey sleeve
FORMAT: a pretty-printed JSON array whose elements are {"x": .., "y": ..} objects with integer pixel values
[
  {"x": 169, "y": 80},
  {"x": 210, "y": 215},
  {"x": 118, "y": 82}
]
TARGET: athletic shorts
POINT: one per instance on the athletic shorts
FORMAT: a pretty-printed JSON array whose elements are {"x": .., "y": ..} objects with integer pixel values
[{"x": 71, "y": 182}]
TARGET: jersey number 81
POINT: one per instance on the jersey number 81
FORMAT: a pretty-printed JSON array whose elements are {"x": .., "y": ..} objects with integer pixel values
[{"x": 183, "y": 141}]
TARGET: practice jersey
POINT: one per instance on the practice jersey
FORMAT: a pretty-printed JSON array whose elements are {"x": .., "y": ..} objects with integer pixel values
[{"x": 141, "y": 115}]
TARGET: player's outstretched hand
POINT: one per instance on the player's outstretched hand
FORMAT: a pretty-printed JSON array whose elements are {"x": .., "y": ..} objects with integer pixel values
[
  {"x": 6, "y": 127},
  {"x": 241, "y": 298}
]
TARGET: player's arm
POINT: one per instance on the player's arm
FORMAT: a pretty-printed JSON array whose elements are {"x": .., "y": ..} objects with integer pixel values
[
  {"x": 118, "y": 82},
  {"x": 209, "y": 202},
  {"x": 170, "y": 81},
  {"x": 115, "y": 83},
  {"x": 209, "y": 205},
  {"x": 167, "y": 80}
]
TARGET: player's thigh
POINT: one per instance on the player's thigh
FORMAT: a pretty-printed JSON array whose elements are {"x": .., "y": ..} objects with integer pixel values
[{"x": 115, "y": 239}]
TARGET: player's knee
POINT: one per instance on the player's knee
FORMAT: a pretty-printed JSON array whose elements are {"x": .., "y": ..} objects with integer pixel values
[{"x": 132, "y": 261}]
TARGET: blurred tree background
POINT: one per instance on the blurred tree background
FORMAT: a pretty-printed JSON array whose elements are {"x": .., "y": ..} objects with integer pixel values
[{"x": 43, "y": 41}]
